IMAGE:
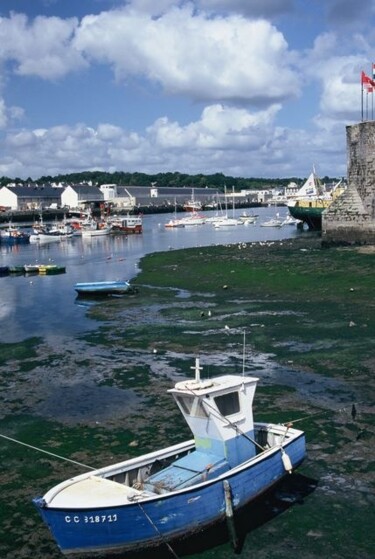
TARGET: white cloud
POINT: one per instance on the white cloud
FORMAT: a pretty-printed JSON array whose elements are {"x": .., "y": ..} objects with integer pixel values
[
  {"x": 3, "y": 115},
  {"x": 219, "y": 128},
  {"x": 223, "y": 139},
  {"x": 9, "y": 114},
  {"x": 212, "y": 58},
  {"x": 338, "y": 76},
  {"x": 42, "y": 47},
  {"x": 241, "y": 68}
]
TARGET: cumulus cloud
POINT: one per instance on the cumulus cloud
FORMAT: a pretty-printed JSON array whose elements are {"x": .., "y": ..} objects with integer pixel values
[
  {"x": 9, "y": 114},
  {"x": 218, "y": 58},
  {"x": 42, "y": 47},
  {"x": 338, "y": 77},
  {"x": 225, "y": 54},
  {"x": 226, "y": 139}
]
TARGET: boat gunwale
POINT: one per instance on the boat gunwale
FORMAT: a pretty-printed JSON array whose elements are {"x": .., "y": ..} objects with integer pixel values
[{"x": 292, "y": 434}]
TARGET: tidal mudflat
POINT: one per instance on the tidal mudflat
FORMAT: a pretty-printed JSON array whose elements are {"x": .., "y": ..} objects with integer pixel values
[{"x": 308, "y": 318}]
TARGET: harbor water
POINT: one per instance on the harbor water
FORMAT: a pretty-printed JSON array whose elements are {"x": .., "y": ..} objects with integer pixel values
[{"x": 46, "y": 305}]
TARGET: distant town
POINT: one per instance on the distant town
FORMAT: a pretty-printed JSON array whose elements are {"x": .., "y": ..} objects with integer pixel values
[{"x": 135, "y": 192}]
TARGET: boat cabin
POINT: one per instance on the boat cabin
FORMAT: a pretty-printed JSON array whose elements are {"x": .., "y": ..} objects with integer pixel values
[{"x": 219, "y": 414}]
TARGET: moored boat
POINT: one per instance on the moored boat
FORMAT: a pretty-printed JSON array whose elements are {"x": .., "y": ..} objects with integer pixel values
[
  {"x": 273, "y": 222},
  {"x": 104, "y": 288},
  {"x": 95, "y": 229},
  {"x": 247, "y": 219},
  {"x": 173, "y": 223},
  {"x": 289, "y": 220},
  {"x": 130, "y": 224},
  {"x": 13, "y": 234},
  {"x": 16, "y": 270},
  {"x": 312, "y": 200},
  {"x": 51, "y": 269},
  {"x": 48, "y": 236},
  {"x": 226, "y": 221},
  {"x": 193, "y": 219},
  {"x": 173, "y": 493},
  {"x": 192, "y": 205},
  {"x": 43, "y": 269}
]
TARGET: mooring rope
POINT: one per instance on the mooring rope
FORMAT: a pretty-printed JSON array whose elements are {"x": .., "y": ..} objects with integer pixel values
[
  {"x": 322, "y": 412},
  {"x": 158, "y": 531},
  {"x": 46, "y": 452}
]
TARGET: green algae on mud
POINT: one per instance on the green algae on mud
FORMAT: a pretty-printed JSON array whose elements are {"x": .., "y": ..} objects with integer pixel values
[
  {"x": 307, "y": 309},
  {"x": 287, "y": 294}
]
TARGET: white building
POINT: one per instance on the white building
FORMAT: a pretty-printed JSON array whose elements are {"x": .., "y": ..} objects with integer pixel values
[
  {"x": 29, "y": 197},
  {"x": 81, "y": 195}
]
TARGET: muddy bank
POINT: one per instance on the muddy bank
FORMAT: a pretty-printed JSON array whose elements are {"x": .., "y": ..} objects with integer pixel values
[{"x": 101, "y": 396}]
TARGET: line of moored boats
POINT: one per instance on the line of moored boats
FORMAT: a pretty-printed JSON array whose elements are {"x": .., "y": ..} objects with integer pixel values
[
  {"x": 86, "y": 227},
  {"x": 41, "y": 269}
]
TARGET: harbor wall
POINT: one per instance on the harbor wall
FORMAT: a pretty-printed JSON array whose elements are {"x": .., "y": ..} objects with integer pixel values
[{"x": 351, "y": 218}]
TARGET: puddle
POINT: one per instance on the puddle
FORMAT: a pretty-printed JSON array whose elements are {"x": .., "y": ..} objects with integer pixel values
[{"x": 83, "y": 402}]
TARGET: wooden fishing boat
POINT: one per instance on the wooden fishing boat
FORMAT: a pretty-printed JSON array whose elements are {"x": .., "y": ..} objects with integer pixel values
[
  {"x": 13, "y": 234},
  {"x": 48, "y": 236},
  {"x": 173, "y": 493},
  {"x": 98, "y": 230},
  {"x": 129, "y": 224}
]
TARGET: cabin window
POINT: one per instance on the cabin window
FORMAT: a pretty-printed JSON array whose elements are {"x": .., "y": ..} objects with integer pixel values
[
  {"x": 192, "y": 406},
  {"x": 228, "y": 404},
  {"x": 186, "y": 402}
]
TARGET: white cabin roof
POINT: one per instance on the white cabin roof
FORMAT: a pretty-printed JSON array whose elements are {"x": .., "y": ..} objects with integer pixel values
[{"x": 224, "y": 383}]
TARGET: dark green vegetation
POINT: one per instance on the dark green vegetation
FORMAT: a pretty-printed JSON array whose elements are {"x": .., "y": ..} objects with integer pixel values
[
  {"x": 175, "y": 179},
  {"x": 309, "y": 319}
]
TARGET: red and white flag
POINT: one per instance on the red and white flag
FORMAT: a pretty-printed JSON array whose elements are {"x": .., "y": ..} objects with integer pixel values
[{"x": 367, "y": 82}]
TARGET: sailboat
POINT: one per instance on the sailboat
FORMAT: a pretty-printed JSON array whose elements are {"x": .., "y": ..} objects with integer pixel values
[
  {"x": 175, "y": 222},
  {"x": 225, "y": 220},
  {"x": 312, "y": 199}
]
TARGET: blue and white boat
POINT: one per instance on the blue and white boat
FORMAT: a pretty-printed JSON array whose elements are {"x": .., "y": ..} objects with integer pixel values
[
  {"x": 171, "y": 494},
  {"x": 104, "y": 288}
]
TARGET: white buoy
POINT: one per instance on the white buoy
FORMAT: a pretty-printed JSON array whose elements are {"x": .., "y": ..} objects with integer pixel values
[{"x": 286, "y": 461}]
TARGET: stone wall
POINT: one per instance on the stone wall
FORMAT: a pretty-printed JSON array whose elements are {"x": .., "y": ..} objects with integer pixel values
[{"x": 351, "y": 218}]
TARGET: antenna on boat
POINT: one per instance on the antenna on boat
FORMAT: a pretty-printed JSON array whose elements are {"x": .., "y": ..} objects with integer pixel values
[
  {"x": 243, "y": 353},
  {"x": 197, "y": 370},
  {"x": 243, "y": 359}
]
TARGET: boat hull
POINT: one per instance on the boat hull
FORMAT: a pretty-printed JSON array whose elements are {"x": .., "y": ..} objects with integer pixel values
[
  {"x": 88, "y": 233},
  {"x": 167, "y": 517},
  {"x": 312, "y": 216},
  {"x": 103, "y": 288}
]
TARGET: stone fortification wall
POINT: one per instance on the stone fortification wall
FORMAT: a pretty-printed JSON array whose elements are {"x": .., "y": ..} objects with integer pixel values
[{"x": 351, "y": 218}]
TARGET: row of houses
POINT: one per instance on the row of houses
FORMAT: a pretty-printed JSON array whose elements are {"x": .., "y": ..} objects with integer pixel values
[{"x": 81, "y": 196}]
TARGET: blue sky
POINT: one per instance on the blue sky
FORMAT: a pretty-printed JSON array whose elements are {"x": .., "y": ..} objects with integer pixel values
[{"x": 252, "y": 88}]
